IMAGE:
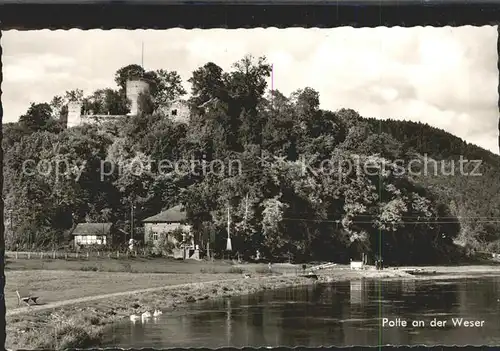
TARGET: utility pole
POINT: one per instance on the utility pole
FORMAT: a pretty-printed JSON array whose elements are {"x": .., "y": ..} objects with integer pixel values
[
  {"x": 131, "y": 219},
  {"x": 208, "y": 248},
  {"x": 246, "y": 209}
]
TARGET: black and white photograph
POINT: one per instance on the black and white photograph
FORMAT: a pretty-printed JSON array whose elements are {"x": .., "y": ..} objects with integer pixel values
[{"x": 297, "y": 187}]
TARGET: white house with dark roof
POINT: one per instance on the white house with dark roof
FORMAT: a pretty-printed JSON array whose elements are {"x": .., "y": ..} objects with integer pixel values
[{"x": 92, "y": 233}]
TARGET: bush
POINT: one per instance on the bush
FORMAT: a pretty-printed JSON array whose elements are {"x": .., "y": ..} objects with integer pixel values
[
  {"x": 494, "y": 246},
  {"x": 162, "y": 247},
  {"x": 181, "y": 236},
  {"x": 89, "y": 269}
]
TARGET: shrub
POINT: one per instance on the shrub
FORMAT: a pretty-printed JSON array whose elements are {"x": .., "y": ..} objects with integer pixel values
[
  {"x": 162, "y": 247},
  {"x": 89, "y": 269}
]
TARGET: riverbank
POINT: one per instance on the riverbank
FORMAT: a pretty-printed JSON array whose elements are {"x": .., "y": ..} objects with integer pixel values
[
  {"x": 81, "y": 322},
  {"x": 449, "y": 272}
]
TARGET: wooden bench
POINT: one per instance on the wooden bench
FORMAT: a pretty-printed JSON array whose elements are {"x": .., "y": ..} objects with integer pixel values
[{"x": 26, "y": 297}]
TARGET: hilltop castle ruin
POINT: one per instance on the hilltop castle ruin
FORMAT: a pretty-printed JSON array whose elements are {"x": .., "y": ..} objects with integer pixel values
[{"x": 177, "y": 111}]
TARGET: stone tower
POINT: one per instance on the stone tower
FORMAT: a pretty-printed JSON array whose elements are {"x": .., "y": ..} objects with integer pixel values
[
  {"x": 134, "y": 89},
  {"x": 74, "y": 114}
]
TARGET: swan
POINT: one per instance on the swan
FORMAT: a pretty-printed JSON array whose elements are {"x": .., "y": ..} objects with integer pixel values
[
  {"x": 146, "y": 314},
  {"x": 134, "y": 317},
  {"x": 157, "y": 313}
]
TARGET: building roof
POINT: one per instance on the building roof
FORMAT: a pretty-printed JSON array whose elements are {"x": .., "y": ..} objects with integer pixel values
[
  {"x": 174, "y": 214},
  {"x": 92, "y": 229}
]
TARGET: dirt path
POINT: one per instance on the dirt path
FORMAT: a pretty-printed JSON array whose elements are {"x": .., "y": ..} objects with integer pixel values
[{"x": 43, "y": 307}]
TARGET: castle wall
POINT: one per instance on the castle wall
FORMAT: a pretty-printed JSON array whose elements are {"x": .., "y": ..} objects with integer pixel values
[
  {"x": 133, "y": 89},
  {"x": 97, "y": 119},
  {"x": 74, "y": 114},
  {"x": 178, "y": 111}
]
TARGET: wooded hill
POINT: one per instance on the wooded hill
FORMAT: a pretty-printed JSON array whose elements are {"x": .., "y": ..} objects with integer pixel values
[{"x": 295, "y": 194}]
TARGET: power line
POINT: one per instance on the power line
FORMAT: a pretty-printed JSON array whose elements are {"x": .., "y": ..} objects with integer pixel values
[
  {"x": 413, "y": 216},
  {"x": 371, "y": 222}
]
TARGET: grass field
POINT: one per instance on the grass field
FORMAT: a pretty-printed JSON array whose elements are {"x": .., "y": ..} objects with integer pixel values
[
  {"x": 53, "y": 286},
  {"x": 128, "y": 265},
  {"x": 137, "y": 265},
  {"x": 60, "y": 279}
]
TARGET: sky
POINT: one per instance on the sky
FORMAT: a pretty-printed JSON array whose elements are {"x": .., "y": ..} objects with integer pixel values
[{"x": 446, "y": 77}]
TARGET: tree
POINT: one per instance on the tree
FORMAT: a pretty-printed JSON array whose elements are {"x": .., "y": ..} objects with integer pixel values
[
  {"x": 13, "y": 133},
  {"x": 37, "y": 116},
  {"x": 306, "y": 101},
  {"x": 246, "y": 86},
  {"x": 206, "y": 84},
  {"x": 165, "y": 87},
  {"x": 129, "y": 72},
  {"x": 106, "y": 101},
  {"x": 282, "y": 131},
  {"x": 272, "y": 217},
  {"x": 145, "y": 104},
  {"x": 74, "y": 95},
  {"x": 59, "y": 107}
]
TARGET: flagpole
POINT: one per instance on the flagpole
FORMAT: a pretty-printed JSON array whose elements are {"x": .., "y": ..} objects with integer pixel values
[
  {"x": 228, "y": 244},
  {"x": 142, "y": 55}
]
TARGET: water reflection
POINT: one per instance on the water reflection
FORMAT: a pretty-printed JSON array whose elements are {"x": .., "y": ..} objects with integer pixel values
[
  {"x": 337, "y": 314},
  {"x": 359, "y": 292},
  {"x": 408, "y": 286},
  {"x": 228, "y": 321}
]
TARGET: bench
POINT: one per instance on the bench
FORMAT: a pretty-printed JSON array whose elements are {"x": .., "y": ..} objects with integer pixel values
[{"x": 25, "y": 297}]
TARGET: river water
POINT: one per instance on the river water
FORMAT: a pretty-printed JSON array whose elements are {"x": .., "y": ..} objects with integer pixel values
[{"x": 338, "y": 314}]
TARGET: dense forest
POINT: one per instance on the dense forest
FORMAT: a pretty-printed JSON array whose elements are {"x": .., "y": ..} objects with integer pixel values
[{"x": 310, "y": 184}]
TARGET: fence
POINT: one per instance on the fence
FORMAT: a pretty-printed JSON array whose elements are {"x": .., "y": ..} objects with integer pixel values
[{"x": 74, "y": 255}]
